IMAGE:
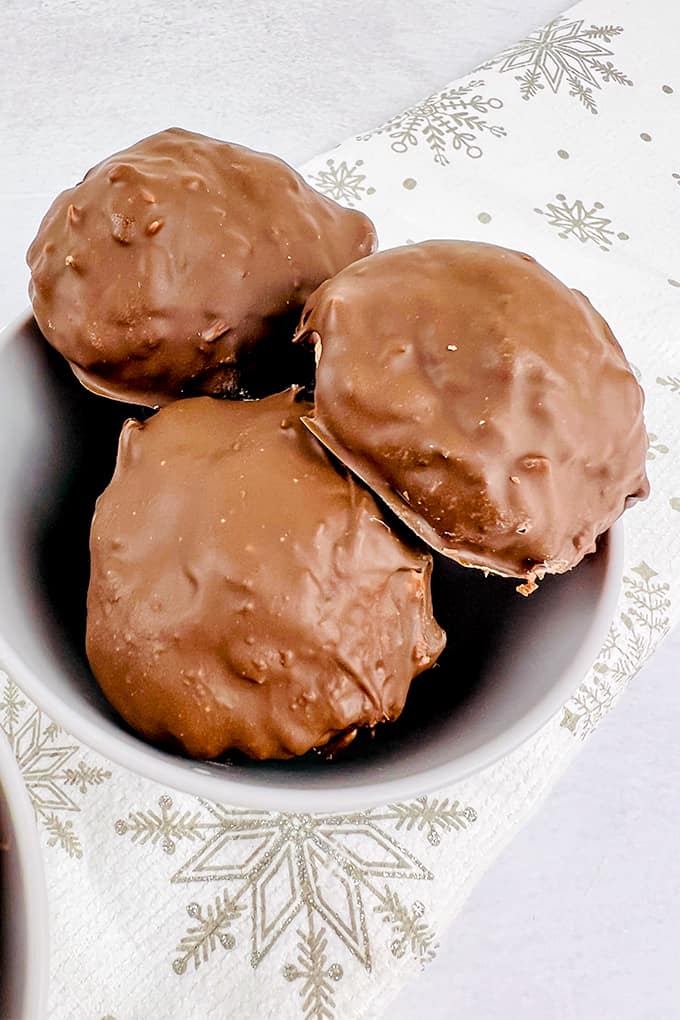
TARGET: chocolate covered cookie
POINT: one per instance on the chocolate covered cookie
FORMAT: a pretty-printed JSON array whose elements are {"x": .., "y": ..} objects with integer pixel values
[
  {"x": 485, "y": 402},
  {"x": 180, "y": 265},
  {"x": 247, "y": 593}
]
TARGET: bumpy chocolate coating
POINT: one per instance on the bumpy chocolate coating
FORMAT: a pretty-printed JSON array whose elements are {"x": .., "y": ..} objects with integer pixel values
[
  {"x": 490, "y": 406},
  {"x": 247, "y": 593},
  {"x": 180, "y": 266}
]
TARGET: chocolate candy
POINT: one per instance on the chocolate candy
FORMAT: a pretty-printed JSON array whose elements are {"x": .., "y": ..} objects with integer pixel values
[
  {"x": 247, "y": 593},
  {"x": 486, "y": 403},
  {"x": 180, "y": 265}
]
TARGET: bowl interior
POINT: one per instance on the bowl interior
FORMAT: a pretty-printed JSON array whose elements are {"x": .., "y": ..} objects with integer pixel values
[
  {"x": 509, "y": 664},
  {"x": 23, "y": 905}
]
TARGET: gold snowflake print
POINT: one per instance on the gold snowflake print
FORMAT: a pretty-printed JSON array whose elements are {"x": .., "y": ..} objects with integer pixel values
[
  {"x": 631, "y": 639},
  {"x": 342, "y": 182},
  {"x": 656, "y": 446},
  {"x": 451, "y": 120},
  {"x": 671, "y": 381},
  {"x": 564, "y": 52},
  {"x": 584, "y": 222},
  {"x": 55, "y": 770},
  {"x": 321, "y": 876}
]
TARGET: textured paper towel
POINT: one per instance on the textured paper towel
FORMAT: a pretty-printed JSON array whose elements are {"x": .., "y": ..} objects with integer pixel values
[{"x": 162, "y": 905}]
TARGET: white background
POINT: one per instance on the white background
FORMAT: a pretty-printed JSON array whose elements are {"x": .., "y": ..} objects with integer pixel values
[{"x": 580, "y": 918}]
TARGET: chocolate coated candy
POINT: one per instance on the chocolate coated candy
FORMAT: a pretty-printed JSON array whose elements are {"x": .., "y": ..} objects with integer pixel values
[
  {"x": 247, "y": 593},
  {"x": 180, "y": 265},
  {"x": 486, "y": 403}
]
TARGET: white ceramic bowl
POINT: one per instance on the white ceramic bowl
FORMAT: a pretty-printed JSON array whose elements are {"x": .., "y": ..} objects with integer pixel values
[
  {"x": 510, "y": 663},
  {"x": 23, "y": 912}
]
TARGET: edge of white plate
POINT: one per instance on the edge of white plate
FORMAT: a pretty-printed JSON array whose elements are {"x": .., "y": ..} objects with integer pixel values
[{"x": 33, "y": 993}]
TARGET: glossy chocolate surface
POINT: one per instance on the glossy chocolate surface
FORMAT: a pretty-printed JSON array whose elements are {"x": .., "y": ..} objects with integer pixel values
[
  {"x": 485, "y": 402},
  {"x": 180, "y": 265},
  {"x": 247, "y": 593}
]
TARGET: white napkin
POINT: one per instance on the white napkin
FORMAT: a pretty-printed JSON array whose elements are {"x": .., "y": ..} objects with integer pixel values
[{"x": 164, "y": 906}]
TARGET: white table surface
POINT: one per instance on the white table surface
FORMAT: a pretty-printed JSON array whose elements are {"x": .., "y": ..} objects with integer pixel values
[{"x": 580, "y": 918}]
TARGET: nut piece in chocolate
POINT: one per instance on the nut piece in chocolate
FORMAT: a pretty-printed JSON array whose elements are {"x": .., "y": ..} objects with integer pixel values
[
  {"x": 180, "y": 265},
  {"x": 246, "y": 593},
  {"x": 485, "y": 402}
]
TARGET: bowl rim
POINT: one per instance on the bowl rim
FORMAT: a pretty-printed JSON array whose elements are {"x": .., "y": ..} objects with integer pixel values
[
  {"x": 145, "y": 759},
  {"x": 33, "y": 988}
]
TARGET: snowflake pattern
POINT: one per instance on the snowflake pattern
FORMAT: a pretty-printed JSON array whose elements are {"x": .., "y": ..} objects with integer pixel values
[
  {"x": 319, "y": 872},
  {"x": 342, "y": 182},
  {"x": 671, "y": 381},
  {"x": 312, "y": 970},
  {"x": 656, "y": 447},
  {"x": 563, "y": 51},
  {"x": 47, "y": 759},
  {"x": 241, "y": 882},
  {"x": 449, "y": 120},
  {"x": 585, "y": 223},
  {"x": 630, "y": 640}
]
